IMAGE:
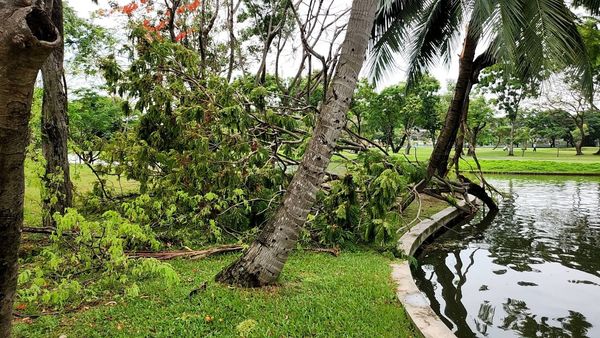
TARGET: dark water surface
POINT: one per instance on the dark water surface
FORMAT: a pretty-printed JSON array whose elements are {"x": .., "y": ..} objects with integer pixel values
[{"x": 532, "y": 271}]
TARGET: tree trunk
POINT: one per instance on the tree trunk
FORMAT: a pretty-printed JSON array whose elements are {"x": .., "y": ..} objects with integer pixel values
[
  {"x": 27, "y": 37},
  {"x": 438, "y": 163},
  {"x": 473, "y": 139},
  {"x": 460, "y": 137},
  {"x": 58, "y": 194},
  {"x": 579, "y": 143},
  {"x": 511, "y": 144},
  {"x": 263, "y": 261}
]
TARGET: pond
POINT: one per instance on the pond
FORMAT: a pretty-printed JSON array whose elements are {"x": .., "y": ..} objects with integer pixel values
[{"x": 533, "y": 270}]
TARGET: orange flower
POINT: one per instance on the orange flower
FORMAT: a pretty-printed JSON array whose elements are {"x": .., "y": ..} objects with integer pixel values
[
  {"x": 180, "y": 36},
  {"x": 193, "y": 5},
  {"x": 130, "y": 8}
]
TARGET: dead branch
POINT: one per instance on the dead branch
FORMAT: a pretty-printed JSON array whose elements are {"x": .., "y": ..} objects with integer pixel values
[{"x": 190, "y": 254}]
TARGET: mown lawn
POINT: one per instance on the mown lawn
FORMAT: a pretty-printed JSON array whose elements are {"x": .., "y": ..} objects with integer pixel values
[
  {"x": 83, "y": 181},
  {"x": 319, "y": 296},
  {"x": 543, "y": 161}
]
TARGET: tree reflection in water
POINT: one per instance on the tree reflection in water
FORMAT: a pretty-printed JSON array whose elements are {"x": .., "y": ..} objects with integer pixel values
[{"x": 533, "y": 270}]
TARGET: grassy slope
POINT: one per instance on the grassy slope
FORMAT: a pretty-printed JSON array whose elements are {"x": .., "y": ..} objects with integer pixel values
[{"x": 319, "y": 296}]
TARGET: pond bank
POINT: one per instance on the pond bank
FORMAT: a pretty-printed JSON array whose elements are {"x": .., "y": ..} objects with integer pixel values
[
  {"x": 532, "y": 271},
  {"x": 415, "y": 303}
]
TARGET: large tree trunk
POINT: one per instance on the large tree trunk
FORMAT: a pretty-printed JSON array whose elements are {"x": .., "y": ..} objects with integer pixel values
[
  {"x": 58, "y": 194},
  {"x": 27, "y": 37},
  {"x": 263, "y": 261},
  {"x": 438, "y": 163}
]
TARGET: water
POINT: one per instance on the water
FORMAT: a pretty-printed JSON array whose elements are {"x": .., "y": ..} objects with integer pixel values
[{"x": 532, "y": 271}]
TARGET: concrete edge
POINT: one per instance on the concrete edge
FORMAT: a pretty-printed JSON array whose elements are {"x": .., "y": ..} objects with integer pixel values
[
  {"x": 416, "y": 303},
  {"x": 528, "y": 173}
]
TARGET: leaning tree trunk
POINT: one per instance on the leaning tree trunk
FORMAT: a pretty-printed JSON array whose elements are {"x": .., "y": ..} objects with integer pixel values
[
  {"x": 438, "y": 162},
  {"x": 27, "y": 37},
  {"x": 460, "y": 138},
  {"x": 58, "y": 194},
  {"x": 262, "y": 263}
]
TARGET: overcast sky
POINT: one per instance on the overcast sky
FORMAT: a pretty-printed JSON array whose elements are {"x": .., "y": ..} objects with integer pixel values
[{"x": 443, "y": 73}]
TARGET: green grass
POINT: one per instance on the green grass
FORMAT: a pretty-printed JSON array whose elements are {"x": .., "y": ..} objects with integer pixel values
[
  {"x": 543, "y": 161},
  {"x": 83, "y": 181},
  {"x": 319, "y": 296},
  {"x": 542, "y": 154}
]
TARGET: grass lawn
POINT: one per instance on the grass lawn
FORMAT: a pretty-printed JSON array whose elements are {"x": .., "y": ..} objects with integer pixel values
[
  {"x": 83, "y": 181},
  {"x": 319, "y": 296},
  {"x": 543, "y": 161}
]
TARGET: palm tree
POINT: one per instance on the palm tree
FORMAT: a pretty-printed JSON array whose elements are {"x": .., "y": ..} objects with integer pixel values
[
  {"x": 264, "y": 260},
  {"x": 27, "y": 37},
  {"x": 528, "y": 35}
]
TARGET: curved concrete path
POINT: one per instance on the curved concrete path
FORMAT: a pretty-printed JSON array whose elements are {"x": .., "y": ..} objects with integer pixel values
[{"x": 415, "y": 302}]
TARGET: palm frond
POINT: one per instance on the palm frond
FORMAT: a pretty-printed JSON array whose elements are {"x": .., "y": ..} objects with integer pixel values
[
  {"x": 435, "y": 32},
  {"x": 393, "y": 19},
  {"x": 551, "y": 41}
]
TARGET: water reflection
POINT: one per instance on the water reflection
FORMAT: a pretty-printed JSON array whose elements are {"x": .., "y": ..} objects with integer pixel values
[{"x": 533, "y": 270}]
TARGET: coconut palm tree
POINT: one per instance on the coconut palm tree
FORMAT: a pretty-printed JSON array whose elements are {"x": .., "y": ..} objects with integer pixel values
[
  {"x": 527, "y": 35},
  {"x": 264, "y": 260}
]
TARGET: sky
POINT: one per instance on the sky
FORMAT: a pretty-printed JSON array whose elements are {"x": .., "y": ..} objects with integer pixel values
[{"x": 444, "y": 73}]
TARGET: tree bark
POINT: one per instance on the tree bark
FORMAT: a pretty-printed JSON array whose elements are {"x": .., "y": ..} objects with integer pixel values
[
  {"x": 511, "y": 144},
  {"x": 579, "y": 143},
  {"x": 58, "y": 194},
  {"x": 27, "y": 37},
  {"x": 460, "y": 137},
  {"x": 474, "y": 133},
  {"x": 438, "y": 163},
  {"x": 263, "y": 262}
]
